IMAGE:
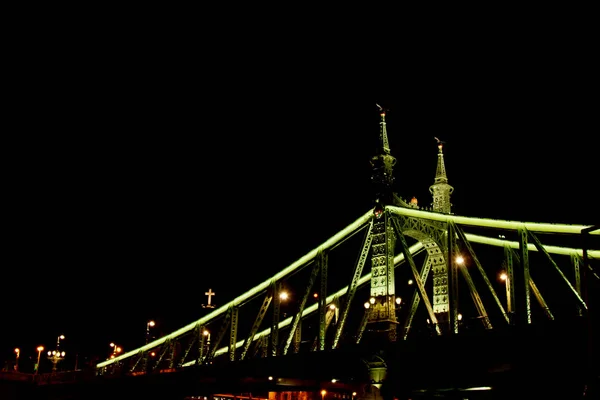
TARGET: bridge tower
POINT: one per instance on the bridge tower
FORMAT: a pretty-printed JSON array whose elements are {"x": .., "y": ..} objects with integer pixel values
[
  {"x": 382, "y": 312},
  {"x": 441, "y": 190}
]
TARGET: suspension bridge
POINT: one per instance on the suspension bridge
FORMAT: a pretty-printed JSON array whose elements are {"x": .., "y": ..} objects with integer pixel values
[{"x": 404, "y": 302}]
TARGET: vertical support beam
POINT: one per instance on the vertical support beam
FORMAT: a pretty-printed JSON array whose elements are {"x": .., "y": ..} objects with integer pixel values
[
  {"x": 453, "y": 278},
  {"x": 233, "y": 326},
  {"x": 510, "y": 284},
  {"x": 322, "y": 261},
  {"x": 274, "y": 336},
  {"x": 526, "y": 317},
  {"x": 172, "y": 349},
  {"x": 297, "y": 338},
  {"x": 576, "y": 268},
  {"x": 201, "y": 343}
]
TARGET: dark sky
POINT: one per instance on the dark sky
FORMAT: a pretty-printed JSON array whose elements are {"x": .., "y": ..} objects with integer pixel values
[{"x": 136, "y": 180}]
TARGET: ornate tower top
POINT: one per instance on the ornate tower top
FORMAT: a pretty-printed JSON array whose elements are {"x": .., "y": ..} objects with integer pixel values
[
  {"x": 441, "y": 190},
  {"x": 383, "y": 166},
  {"x": 385, "y": 144}
]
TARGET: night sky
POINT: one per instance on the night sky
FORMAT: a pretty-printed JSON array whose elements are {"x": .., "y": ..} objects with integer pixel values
[{"x": 132, "y": 185}]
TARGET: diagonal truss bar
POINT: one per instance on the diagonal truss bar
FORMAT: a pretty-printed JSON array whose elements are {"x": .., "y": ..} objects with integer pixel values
[
  {"x": 165, "y": 349},
  {"x": 467, "y": 244},
  {"x": 414, "y": 303},
  {"x": 541, "y": 249},
  {"x": 296, "y": 322},
  {"x": 485, "y": 319},
  {"x": 257, "y": 322},
  {"x": 358, "y": 270},
  {"x": 416, "y": 276},
  {"x": 191, "y": 344},
  {"x": 138, "y": 361},
  {"x": 221, "y": 335},
  {"x": 362, "y": 326},
  {"x": 318, "y": 342},
  {"x": 540, "y": 299}
]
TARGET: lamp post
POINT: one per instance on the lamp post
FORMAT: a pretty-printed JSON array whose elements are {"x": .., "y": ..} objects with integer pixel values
[
  {"x": 18, "y": 351},
  {"x": 56, "y": 355},
  {"x": 58, "y": 341},
  {"x": 116, "y": 350},
  {"x": 149, "y": 324},
  {"x": 37, "y": 365}
]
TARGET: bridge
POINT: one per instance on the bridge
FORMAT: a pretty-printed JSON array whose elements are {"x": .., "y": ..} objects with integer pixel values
[{"x": 404, "y": 302}]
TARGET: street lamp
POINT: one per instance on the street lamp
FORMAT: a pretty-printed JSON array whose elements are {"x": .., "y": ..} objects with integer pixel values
[
  {"x": 323, "y": 393},
  {"x": 149, "y": 324},
  {"x": 58, "y": 341},
  {"x": 56, "y": 355},
  {"x": 18, "y": 351},
  {"x": 116, "y": 350},
  {"x": 37, "y": 365}
]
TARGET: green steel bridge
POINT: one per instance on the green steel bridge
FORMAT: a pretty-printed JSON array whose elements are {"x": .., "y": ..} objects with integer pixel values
[{"x": 404, "y": 302}]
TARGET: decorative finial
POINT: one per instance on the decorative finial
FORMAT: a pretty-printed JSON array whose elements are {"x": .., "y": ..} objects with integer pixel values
[{"x": 439, "y": 142}]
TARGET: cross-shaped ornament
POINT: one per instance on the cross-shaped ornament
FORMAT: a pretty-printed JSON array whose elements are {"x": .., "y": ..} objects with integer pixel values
[{"x": 210, "y": 294}]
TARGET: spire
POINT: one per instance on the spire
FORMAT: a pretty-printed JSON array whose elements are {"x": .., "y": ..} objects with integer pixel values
[
  {"x": 383, "y": 165},
  {"x": 440, "y": 173},
  {"x": 383, "y": 138},
  {"x": 440, "y": 189}
]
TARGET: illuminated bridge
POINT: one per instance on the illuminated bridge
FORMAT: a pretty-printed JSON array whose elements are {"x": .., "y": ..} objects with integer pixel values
[{"x": 404, "y": 302}]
